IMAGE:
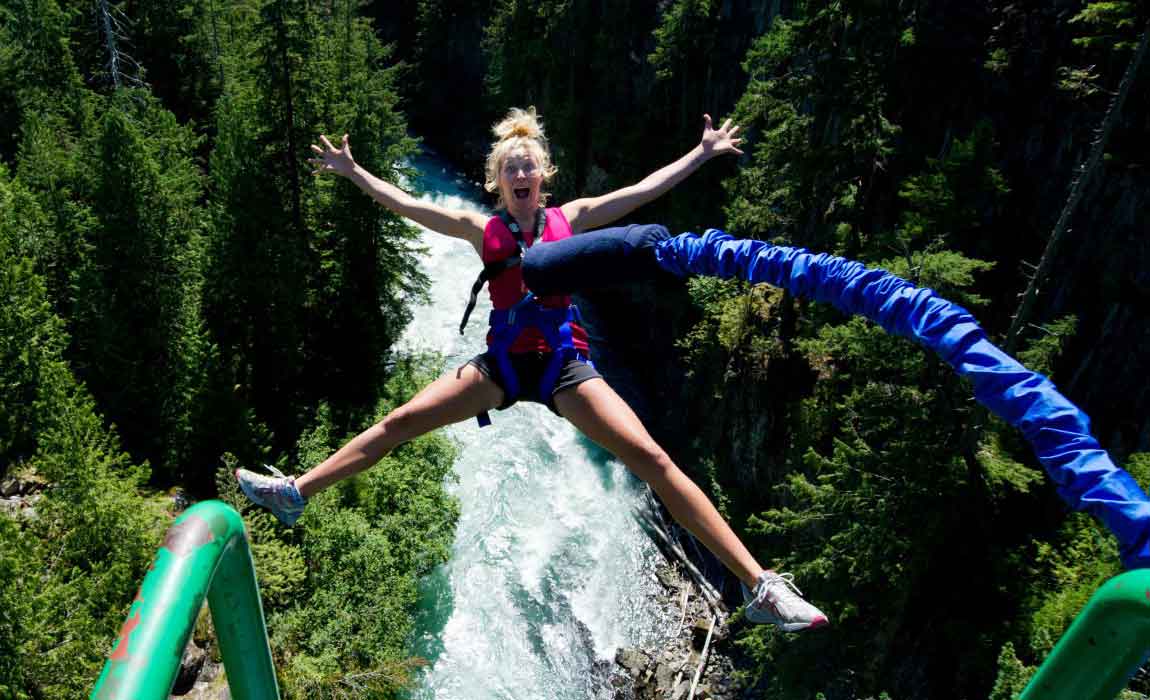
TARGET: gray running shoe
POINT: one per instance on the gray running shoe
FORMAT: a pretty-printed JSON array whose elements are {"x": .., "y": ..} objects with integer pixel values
[
  {"x": 277, "y": 493},
  {"x": 776, "y": 601}
]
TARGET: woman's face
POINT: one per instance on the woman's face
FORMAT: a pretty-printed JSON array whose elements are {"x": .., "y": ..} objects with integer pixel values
[{"x": 520, "y": 179}]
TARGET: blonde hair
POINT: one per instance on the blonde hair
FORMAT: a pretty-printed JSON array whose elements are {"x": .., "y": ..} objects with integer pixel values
[{"x": 519, "y": 129}]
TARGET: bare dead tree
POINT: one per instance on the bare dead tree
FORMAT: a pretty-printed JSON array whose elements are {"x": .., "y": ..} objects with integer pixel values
[
  {"x": 1077, "y": 187},
  {"x": 122, "y": 69}
]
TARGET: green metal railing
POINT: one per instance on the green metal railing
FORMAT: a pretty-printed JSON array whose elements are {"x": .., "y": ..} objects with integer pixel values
[
  {"x": 205, "y": 554},
  {"x": 1104, "y": 646}
]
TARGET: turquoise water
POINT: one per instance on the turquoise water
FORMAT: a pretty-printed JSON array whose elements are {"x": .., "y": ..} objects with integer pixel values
[{"x": 549, "y": 573}]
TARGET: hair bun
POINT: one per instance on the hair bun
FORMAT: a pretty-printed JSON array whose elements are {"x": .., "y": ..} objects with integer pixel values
[{"x": 519, "y": 123}]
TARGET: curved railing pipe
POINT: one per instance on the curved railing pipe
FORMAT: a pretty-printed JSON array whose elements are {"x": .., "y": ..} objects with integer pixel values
[
  {"x": 204, "y": 554},
  {"x": 1104, "y": 646}
]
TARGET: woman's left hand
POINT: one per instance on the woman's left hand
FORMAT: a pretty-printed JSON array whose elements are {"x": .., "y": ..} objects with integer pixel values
[{"x": 719, "y": 141}]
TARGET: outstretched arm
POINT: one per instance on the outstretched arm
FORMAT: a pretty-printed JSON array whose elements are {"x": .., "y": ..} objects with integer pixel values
[
  {"x": 593, "y": 212},
  {"x": 457, "y": 223}
]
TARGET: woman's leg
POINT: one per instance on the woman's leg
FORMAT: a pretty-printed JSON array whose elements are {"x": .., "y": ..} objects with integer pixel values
[
  {"x": 456, "y": 396},
  {"x": 595, "y": 409}
]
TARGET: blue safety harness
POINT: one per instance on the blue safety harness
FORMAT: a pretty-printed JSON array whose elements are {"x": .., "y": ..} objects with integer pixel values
[{"x": 528, "y": 312}]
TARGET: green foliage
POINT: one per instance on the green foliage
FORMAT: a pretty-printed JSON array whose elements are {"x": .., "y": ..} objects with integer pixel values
[
  {"x": 339, "y": 587},
  {"x": 998, "y": 61},
  {"x": 1071, "y": 569},
  {"x": 37, "y": 71},
  {"x": 361, "y": 251},
  {"x": 32, "y": 337},
  {"x": 1003, "y": 471},
  {"x": 820, "y": 122},
  {"x": 1042, "y": 352},
  {"x": 111, "y": 259},
  {"x": 1013, "y": 675},
  {"x": 16, "y": 557},
  {"x": 683, "y": 25},
  {"x": 51, "y": 169},
  {"x": 1110, "y": 25},
  {"x": 71, "y": 570},
  {"x": 308, "y": 279},
  {"x": 955, "y": 196},
  {"x": 1079, "y": 82},
  {"x": 518, "y": 40},
  {"x": 732, "y": 321},
  {"x": 370, "y": 539},
  {"x": 949, "y": 273}
]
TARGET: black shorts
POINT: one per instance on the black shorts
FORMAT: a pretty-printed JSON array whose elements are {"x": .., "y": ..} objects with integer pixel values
[{"x": 529, "y": 367}]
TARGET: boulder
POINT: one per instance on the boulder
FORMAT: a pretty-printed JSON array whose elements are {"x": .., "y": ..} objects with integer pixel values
[
  {"x": 190, "y": 666},
  {"x": 633, "y": 660}
]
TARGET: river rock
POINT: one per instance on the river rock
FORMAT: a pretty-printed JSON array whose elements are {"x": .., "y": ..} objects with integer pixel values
[
  {"x": 20, "y": 507},
  {"x": 190, "y": 666},
  {"x": 633, "y": 660},
  {"x": 667, "y": 577},
  {"x": 699, "y": 629},
  {"x": 211, "y": 684},
  {"x": 664, "y": 674},
  {"x": 25, "y": 483}
]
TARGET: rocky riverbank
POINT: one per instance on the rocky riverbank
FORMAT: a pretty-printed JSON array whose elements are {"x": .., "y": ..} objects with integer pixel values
[
  {"x": 696, "y": 662},
  {"x": 693, "y": 658}
]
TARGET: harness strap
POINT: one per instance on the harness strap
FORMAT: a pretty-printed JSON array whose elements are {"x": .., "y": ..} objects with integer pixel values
[
  {"x": 491, "y": 270},
  {"x": 555, "y": 324}
]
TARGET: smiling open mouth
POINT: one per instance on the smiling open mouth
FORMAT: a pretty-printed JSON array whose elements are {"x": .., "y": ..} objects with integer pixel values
[{"x": 522, "y": 192}]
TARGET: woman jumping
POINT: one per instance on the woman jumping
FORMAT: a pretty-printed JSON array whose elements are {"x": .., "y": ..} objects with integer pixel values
[{"x": 537, "y": 351}]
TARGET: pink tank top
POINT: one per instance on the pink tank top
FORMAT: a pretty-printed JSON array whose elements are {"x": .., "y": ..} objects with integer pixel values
[{"x": 507, "y": 287}]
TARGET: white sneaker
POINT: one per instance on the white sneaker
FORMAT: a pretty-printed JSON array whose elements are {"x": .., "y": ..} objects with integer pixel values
[
  {"x": 277, "y": 493},
  {"x": 776, "y": 601}
]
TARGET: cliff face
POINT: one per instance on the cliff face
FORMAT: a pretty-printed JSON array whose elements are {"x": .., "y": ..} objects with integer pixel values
[
  {"x": 1103, "y": 278},
  {"x": 1100, "y": 273}
]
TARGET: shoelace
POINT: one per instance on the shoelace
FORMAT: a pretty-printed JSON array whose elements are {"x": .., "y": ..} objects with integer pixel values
[
  {"x": 297, "y": 501},
  {"x": 788, "y": 592},
  {"x": 275, "y": 472}
]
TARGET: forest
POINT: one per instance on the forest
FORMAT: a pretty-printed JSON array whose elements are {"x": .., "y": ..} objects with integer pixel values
[{"x": 180, "y": 297}]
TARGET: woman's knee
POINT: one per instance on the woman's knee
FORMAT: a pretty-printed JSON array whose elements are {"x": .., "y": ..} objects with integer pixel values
[
  {"x": 401, "y": 425},
  {"x": 648, "y": 460}
]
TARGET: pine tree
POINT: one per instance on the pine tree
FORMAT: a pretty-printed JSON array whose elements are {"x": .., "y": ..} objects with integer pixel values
[
  {"x": 366, "y": 272},
  {"x": 309, "y": 279},
  {"x": 259, "y": 261},
  {"x": 139, "y": 337}
]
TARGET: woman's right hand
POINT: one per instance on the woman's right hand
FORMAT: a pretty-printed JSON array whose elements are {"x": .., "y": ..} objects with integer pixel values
[{"x": 331, "y": 159}]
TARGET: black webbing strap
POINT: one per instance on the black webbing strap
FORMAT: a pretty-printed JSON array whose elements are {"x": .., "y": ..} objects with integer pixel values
[{"x": 490, "y": 270}]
